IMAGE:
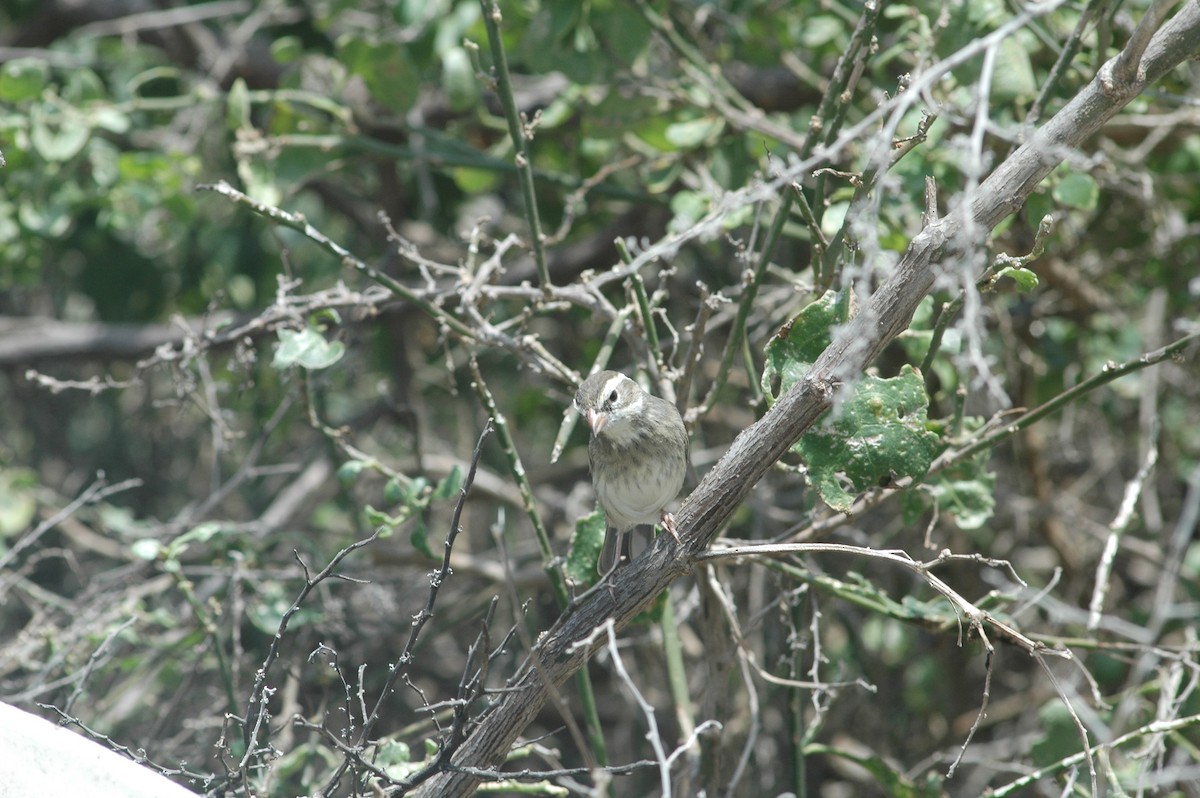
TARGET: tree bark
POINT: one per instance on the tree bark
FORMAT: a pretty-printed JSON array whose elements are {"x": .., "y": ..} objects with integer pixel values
[{"x": 561, "y": 651}]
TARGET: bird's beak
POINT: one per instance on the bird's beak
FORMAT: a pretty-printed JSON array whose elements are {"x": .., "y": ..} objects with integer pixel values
[{"x": 596, "y": 420}]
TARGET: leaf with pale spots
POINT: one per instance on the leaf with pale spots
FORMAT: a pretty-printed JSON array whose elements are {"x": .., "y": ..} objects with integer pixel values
[
  {"x": 964, "y": 493},
  {"x": 792, "y": 351},
  {"x": 876, "y": 436}
]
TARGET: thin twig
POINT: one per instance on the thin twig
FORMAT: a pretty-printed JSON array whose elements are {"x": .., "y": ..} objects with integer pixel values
[
  {"x": 975, "y": 616},
  {"x": 516, "y": 131},
  {"x": 1133, "y": 489}
]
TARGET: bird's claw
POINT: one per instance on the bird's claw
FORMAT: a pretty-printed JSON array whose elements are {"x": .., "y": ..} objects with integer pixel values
[{"x": 668, "y": 523}]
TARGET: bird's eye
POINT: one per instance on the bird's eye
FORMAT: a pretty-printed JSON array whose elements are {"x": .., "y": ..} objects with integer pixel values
[{"x": 612, "y": 397}]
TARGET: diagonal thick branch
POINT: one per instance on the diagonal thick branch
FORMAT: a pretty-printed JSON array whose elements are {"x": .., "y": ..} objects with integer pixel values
[{"x": 560, "y": 651}]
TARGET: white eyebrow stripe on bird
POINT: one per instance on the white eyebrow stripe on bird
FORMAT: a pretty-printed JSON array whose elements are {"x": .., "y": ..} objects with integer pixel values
[
  {"x": 635, "y": 406},
  {"x": 611, "y": 386}
]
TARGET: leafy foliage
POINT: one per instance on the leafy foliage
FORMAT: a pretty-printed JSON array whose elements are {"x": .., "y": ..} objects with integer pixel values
[
  {"x": 877, "y": 435},
  {"x": 240, "y": 422}
]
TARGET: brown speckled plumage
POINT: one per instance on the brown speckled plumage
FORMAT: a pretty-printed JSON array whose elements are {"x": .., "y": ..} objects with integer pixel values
[{"x": 638, "y": 452}]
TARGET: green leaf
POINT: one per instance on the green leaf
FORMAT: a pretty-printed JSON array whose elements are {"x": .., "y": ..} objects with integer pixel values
[
  {"x": 319, "y": 318},
  {"x": 586, "y": 543},
  {"x": 664, "y": 177},
  {"x": 146, "y": 549},
  {"x": 561, "y": 39},
  {"x": 392, "y": 752},
  {"x": 964, "y": 493},
  {"x": 386, "y": 69},
  {"x": 415, "y": 493},
  {"x": 688, "y": 207},
  {"x": 820, "y": 29},
  {"x": 22, "y": 79},
  {"x": 1077, "y": 190},
  {"x": 348, "y": 471},
  {"x": 622, "y": 30},
  {"x": 84, "y": 87},
  {"x": 306, "y": 348},
  {"x": 385, "y": 523},
  {"x": 106, "y": 117},
  {"x": 877, "y": 435},
  {"x": 693, "y": 133},
  {"x": 449, "y": 486},
  {"x": 260, "y": 179},
  {"x": 792, "y": 351},
  {"x": 1026, "y": 279},
  {"x": 201, "y": 533},
  {"x": 1014, "y": 73},
  {"x": 57, "y": 135},
  {"x": 475, "y": 181},
  {"x": 458, "y": 79},
  {"x": 287, "y": 49},
  {"x": 420, "y": 538},
  {"x": 152, "y": 548},
  {"x": 854, "y": 588},
  {"x": 396, "y": 758},
  {"x": 18, "y": 506},
  {"x": 52, "y": 218},
  {"x": 393, "y": 491},
  {"x": 237, "y": 106},
  {"x": 121, "y": 522}
]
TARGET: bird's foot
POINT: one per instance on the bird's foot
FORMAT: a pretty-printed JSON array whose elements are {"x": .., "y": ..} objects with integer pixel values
[{"x": 668, "y": 523}]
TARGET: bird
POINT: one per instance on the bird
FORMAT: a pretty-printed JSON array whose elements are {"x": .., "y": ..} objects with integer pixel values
[{"x": 638, "y": 455}]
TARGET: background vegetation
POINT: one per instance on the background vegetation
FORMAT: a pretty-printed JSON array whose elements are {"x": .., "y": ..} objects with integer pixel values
[{"x": 268, "y": 269}]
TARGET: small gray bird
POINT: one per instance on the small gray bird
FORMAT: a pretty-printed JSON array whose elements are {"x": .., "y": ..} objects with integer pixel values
[{"x": 638, "y": 456}]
